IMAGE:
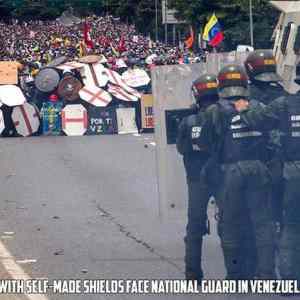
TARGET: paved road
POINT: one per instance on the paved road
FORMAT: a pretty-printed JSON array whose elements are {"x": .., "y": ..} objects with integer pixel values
[{"x": 87, "y": 208}]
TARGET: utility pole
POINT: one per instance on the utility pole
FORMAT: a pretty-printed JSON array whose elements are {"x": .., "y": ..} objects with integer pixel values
[
  {"x": 251, "y": 23},
  {"x": 156, "y": 20}
]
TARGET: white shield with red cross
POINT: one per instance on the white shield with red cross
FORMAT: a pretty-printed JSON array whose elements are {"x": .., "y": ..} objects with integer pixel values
[
  {"x": 94, "y": 74},
  {"x": 26, "y": 119},
  {"x": 74, "y": 120},
  {"x": 95, "y": 96},
  {"x": 121, "y": 94},
  {"x": 116, "y": 79}
]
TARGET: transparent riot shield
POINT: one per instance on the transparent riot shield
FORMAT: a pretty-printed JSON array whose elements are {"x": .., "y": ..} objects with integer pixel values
[{"x": 172, "y": 100}]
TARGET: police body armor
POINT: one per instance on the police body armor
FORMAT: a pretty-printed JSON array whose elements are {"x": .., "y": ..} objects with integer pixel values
[
  {"x": 241, "y": 142},
  {"x": 195, "y": 152},
  {"x": 291, "y": 139}
]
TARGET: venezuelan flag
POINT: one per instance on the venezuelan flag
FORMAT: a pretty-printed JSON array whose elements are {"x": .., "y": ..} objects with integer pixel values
[{"x": 213, "y": 32}]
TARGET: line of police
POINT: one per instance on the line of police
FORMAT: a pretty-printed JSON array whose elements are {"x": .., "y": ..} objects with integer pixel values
[{"x": 245, "y": 140}]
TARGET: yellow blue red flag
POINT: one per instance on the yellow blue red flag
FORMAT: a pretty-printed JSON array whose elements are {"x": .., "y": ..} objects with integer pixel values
[{"x": 212, "y": 32}]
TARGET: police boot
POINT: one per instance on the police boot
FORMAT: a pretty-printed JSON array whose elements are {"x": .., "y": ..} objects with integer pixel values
[{"x": 193, "y": 253}]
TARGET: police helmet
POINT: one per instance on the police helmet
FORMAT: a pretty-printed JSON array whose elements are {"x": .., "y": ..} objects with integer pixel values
[
  {"x": 233, "y": 82},
  {"x": 205, "y": 88},
  {"x": 261, "y": 66}
]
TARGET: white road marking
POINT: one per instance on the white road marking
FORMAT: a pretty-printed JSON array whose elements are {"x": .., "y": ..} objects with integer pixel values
[
  {"x": 26, "y": 261},
  {"x": 15, "y": 271}
]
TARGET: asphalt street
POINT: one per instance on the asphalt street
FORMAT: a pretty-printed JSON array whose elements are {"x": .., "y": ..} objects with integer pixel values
[{"x": 87, "y": 208}]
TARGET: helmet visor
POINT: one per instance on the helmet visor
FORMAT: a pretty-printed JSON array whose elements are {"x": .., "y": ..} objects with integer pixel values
[
  {"x": 234, "y": 91},
  {"x": 268, "y": 77}
]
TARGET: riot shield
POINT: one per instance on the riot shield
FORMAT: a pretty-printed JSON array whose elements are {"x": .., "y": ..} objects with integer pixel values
[{"x": 171, "y": 87}]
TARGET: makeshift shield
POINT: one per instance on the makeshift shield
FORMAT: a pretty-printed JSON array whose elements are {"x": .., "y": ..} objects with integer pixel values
[
  {"x": 94, "y": 74},
  {"x": 26, "y": 119},
  {"x": 11, "y": 95},
  {"x": 74, "y": 120},
  {"x": 95, "y": 96},
  {"x": 172, "y": 100},
  {"x": 8, "y": 72},
  {"x": 90, "y": 59},
  {"x": 69, "y": 87},
  {"x": 57, "y": 61},
  {"x": 126, "y": 120},
  {"x": 136, "y": 77},
  {"x": 47, "y": 80}
]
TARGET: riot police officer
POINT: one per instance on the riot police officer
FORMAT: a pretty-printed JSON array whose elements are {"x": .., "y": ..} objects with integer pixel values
[
  {"x": 195, "y": 157},
  {"x": 265, "y": 87},
  {"x": 245, "y": 214},
  {"x": 284, "y": 113}
]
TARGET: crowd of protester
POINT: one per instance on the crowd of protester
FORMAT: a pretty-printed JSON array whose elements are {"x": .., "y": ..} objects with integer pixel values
[{"x": 42, "y": 41}]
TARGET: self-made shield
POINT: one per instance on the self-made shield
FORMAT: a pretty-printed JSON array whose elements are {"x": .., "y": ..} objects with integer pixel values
[
  {"x": 90, "y": 59},
  {"x": 102, "y": 121},
  {"x": 121, "y": 94},
  {"x": 69, "y": 87},
  {"x": 126, "y": 120},
  {"x": 26, "y": 119},
  {"x": 74, "y": 120},
  {"x": 70, "y": 65},
  {"x": 136, "y": 78},
  {"x": 47, "y": 80},
  {"x": 11, "y": 95},
  {"x": 116, "y": 79},
  {"x": 94, "y": 74},
  {"x": 95, "y": 96},
  {"x": 8, "y": 72},
  {"x": 172, "y": 100},
  {"x": 57, "y": 61}
]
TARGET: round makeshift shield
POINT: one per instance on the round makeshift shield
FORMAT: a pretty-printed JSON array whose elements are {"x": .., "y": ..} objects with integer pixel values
[
  {"x": 74, "y": 120},
  {"x": 26, "y": 119},
  {"x": 136, "y": 78},
  {"x": 95, "y": 96},
  {"x": 47, "y": 80},
  {"x": 69, "y": 87},
  {"x": 11, "y": 95},
  {"x": 90, "y": 59},
  {"x": 57, "y": 61}
]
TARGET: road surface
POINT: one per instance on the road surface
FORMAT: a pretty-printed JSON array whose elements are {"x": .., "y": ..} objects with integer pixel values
[{"x": 87, "y": 208}]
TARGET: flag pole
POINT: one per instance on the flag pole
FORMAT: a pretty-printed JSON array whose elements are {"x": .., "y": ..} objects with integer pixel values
[
  {"x": 156, "y": 21},
  {"x": 251, "y": 23}
]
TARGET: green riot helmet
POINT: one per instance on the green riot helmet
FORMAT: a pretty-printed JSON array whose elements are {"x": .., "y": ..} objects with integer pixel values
[
  {"x": 205, "y": 89},
  {"x": 261, "y": 66},
  {"x": 233, "y": 82}
]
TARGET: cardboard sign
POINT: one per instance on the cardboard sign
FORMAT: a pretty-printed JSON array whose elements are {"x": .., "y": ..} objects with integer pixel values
[
  {"x": 147, "y": 112},
  {"x": 8, "y": 72},
  {"x": 102, "y": 121},
  {"x": 74, "y": 120},
  {"x": 126, "y": 120},
  {"x": 26, "y": 119}
]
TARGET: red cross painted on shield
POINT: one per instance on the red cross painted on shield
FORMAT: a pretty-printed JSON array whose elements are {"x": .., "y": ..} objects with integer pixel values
[{"x": 95, "y": 96}]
